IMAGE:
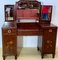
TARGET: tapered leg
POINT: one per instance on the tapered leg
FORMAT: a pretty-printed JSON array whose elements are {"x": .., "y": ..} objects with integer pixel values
[
  {"x": 15, "y": 57},
  {"x": 42, "y": 56},
  {"x": 3, "y": 57},
  {"x": 53, "y": 55},
  {"x": 38, "y": 48}
]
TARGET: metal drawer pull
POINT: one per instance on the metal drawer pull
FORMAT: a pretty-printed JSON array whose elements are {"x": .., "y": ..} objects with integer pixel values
[
  {"x": 50, "y": 30},
  {"x": 9, "y": 31}
]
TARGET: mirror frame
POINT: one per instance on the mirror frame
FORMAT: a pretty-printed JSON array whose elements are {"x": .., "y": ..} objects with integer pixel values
[
  {"x": 49, "y": 14},
  {"x": 6, "y": 14}
]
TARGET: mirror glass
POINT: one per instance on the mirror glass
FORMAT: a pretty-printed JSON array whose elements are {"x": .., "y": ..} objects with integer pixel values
[
  {"x": 46, "y": 12},
  {"x": 44, "y": 16},
  {"x": 9, "y": 12}
]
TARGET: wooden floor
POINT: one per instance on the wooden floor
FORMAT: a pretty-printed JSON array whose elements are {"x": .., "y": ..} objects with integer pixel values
[{"x": 30, "y": 54}]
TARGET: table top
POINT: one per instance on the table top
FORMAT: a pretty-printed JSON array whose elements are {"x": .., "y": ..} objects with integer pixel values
[
  {"x": 27, "y": 26},
  {"x": 48, "y": 26},
  {"x": 9, "y": 25}
]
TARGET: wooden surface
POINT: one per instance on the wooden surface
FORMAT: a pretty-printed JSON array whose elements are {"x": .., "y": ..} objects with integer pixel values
[
  {"x": 12, "y": 30},
  {"x": 9, "y": 39},
  {"x": 28, "y": 29},
  {"x": 48, "y": 41},
  {"x": 44, "y": 28}
]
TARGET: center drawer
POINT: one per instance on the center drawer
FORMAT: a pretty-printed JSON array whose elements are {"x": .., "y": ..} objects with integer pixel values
[{"x": 29, "y": 32}]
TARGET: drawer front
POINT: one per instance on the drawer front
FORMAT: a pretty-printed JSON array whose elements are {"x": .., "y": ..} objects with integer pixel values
[
  {"x": 9, "y": 44},
  {"x": 29, "y": 33},
  {"x": 9, "y": 31},
  {"x": 48, "y": 48},
  {"x": 49, "y": 40}
]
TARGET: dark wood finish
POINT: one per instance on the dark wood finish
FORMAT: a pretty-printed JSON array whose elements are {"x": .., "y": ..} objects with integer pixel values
[
  {"x": 48, "y": 42},
  {"x": 29, "y": 10},
  {"x": 46, "y": 45},
  {"x": 10, "y": 31},
  {"x": 26, "y": 29},
  {"x": 29, "y": 32},
  {"x": 28, "y": 3},
  {"x": 9, "y": 37}
]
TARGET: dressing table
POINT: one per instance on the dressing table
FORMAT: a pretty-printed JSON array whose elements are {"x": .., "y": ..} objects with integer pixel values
[{"x": 41, "y": 27}]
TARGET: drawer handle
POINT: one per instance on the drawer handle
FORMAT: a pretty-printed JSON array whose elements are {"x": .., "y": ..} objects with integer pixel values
[
  {"x": 47, "y": 41},
  {"x": 7, "y": 46},
  {"x": 11, "y": 48},
  {"x": 9, "y": 31},
  {"x": 51, "y": 41},
  {"x": 11, "y": 42},
  {"x": 47, "y": 47},
  {"x": 50, "y": 30},
  {"x": 50, "y": 45}
]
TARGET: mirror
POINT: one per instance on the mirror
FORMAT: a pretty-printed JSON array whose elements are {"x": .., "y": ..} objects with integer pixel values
[
  {"x": 9, "y": 12},
  {"x": 44, "y": 16},
  {"x": 46, "y": 12}
]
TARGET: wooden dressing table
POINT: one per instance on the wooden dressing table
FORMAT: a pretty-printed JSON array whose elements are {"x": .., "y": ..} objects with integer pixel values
[{"x": 13, "y": 27}]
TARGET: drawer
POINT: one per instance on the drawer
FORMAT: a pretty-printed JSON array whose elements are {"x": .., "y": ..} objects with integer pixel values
[
  {"x": 49, "y": 40},
  {"x": 31, "y": 32},
  {"x": 8, "y": 38},
  {"x": 9, "y": 31},
  {"x": 50, "y": 34},
  {"x": 49, "y": 48},
  {"x": 9, "y": 44}
]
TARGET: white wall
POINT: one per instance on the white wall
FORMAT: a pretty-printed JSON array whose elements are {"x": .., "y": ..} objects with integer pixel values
[{"x": 29, "y": 41}]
